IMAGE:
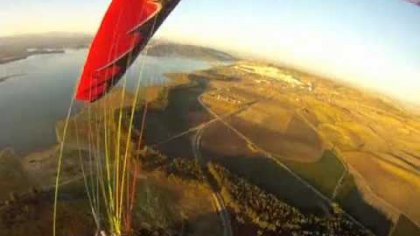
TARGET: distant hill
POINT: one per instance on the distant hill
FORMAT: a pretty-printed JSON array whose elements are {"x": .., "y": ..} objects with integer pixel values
[
  {"x": 54, "y": 40},
  {"x": 190, "y": 51},
  {"x": 19, "y": 47}
]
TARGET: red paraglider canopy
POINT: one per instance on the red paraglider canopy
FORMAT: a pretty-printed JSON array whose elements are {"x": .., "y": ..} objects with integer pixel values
[{"x": 125, "y": 30}]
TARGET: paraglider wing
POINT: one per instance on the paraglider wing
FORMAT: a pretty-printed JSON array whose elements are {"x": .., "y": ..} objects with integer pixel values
[
  {"x": 125, "y": 30},
  {"x": 417, "y": 2}
]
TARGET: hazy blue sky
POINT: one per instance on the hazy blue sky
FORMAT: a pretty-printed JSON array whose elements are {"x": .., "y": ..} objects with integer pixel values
[{"x": 374, "y": 43}]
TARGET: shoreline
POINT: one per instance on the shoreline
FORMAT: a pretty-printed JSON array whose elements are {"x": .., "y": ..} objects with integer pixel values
[
  {"x": 7, "y": 77},
  {"x": 26, "y": 54}
]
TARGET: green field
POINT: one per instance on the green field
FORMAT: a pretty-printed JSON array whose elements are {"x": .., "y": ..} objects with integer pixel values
[
  {"x": 273, "y": 179},
  {"x": 323, "y": 174}
]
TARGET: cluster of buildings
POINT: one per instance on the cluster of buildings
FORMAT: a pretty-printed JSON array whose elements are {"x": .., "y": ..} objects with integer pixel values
[{"x": 226, "y": 96}]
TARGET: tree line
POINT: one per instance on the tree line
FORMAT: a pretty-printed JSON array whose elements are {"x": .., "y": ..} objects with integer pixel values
[
  {"x": 185, "y": 169},
  {"x": 274, "y": 217}
]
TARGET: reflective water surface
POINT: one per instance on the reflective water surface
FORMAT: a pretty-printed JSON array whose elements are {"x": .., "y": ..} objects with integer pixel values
[{"x": 32, "y": 103}]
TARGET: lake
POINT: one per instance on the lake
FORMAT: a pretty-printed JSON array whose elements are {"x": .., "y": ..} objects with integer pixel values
[{"x": 30, "y": 105}]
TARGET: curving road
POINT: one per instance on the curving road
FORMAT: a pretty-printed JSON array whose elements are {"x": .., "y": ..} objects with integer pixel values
[
  {"x": 220, "y": 204},
  {"x": 223, "y": 213},
  {"x": 270, "y": 156}
]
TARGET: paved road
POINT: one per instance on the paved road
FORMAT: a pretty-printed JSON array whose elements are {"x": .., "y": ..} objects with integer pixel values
[
  {"x": 206, "y": 124},
  {"x": 270, "y": 156},
  {"x": 339, "y": 183},
  {"x": 220, "y": 204},
  {"x": 196, "y": 144},
  {"x": 196, "y": 141}
]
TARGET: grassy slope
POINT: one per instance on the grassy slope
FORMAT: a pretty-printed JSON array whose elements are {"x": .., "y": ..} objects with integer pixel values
[
  {"x": 12, "y": 176},
  {"x": 352, "y": 200},
  {"x": 384, "y": 178},
  {"x": 405, "y": 227},
  {"x": 173, "y": 204}
]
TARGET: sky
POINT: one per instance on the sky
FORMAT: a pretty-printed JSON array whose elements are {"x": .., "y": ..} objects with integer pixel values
[{"x": 371, "y": 43}]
